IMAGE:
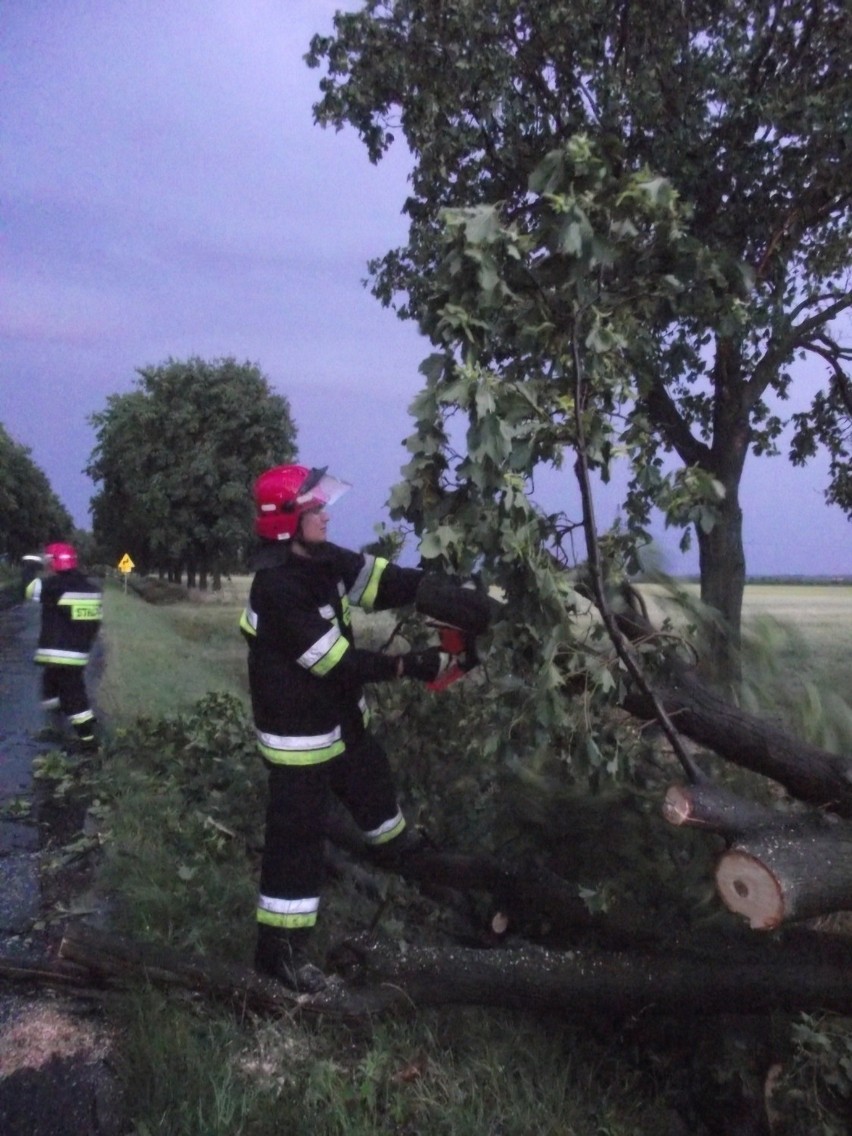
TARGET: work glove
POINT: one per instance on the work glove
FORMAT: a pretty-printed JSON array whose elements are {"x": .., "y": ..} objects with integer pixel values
[
  {"x": 426, "y": 665},
  {"x": 447, "y": 601}
]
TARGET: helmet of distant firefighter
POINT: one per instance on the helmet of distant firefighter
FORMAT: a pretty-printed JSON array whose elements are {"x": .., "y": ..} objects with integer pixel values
[{"x": 60, "y": 557}]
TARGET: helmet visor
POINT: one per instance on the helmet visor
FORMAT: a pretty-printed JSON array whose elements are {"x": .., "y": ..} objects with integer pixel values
[{"x": 320, "y": 488}]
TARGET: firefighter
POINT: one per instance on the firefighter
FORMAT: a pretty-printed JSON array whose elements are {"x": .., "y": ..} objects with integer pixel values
[
  {"x": 71, "y": 612},
  {"x": 306, "y": 677},
  {"x": 32, "y": 565}
]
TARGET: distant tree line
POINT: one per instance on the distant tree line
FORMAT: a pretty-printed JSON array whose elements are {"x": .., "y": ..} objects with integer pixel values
[
  {"x": 174, "y": 462},
  {"x": 31, "y": 514}
]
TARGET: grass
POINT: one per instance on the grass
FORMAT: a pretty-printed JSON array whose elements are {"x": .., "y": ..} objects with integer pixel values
[
  {"x": 160, "y": 660},
  {"x": 176, "y": 877}
]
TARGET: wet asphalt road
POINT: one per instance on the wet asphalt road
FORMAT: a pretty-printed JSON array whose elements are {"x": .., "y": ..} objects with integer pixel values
[{"x": 21, "y": 718}]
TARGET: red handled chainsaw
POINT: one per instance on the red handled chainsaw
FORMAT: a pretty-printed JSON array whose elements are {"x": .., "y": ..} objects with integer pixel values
[{"x": 460, "y": 613}]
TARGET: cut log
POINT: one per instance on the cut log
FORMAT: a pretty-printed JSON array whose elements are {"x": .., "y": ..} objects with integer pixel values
[
  {"x": 778, "y": 874},
  {"x": 714, "y": 809},
  {"x": 780, "y": 866}
]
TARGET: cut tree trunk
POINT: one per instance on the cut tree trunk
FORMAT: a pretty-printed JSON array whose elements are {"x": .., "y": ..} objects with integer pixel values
[
  {"x": 618, "y": 983},
  {"x": 775, "y": 875},
  {"x": 115, "y": 960},
  {"x": 715, "y": 809},
  {"x": 779, "y": 866}
]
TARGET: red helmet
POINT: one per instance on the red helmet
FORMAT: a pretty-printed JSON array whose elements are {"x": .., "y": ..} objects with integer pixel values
[
  {"x": 61, "y": 557},
  {"x": 283, "y": 493}
]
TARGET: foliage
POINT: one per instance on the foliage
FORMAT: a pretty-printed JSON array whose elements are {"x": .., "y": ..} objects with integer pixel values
[
  {"x": 31, "y": 514},
  {"x": 176, "y": 457},
  {"x": 555, "y": 669},
  {"x": 738, "y": 113},
  {"x": 203, "y": 775},
  {"x": 781, "y": 677},
  {"x": 813, "y": 1091}
]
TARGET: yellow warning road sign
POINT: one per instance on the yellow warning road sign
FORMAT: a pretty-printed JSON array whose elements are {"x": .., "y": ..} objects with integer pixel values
[{"x": 126, "y": 564}]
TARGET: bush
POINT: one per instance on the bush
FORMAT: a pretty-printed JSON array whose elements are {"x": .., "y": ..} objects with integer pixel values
[{"x": 156, "y": 591}]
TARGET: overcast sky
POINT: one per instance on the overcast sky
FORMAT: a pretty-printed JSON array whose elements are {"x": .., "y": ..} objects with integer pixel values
[{"x": 165, "y": 193}]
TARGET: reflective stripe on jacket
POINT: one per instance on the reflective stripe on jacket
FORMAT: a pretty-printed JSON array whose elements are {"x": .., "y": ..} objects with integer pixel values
[
  {"x": 305, "y": 672},
  {"x": 71, "y": 613}
]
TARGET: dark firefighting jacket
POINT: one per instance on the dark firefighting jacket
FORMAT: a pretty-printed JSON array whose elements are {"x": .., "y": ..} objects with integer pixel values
[
  {"x": 71, "y": 613},
  {"x": 306, "y": 674}
]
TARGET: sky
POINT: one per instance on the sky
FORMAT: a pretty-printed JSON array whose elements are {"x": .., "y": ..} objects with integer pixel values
[{"x": 165, "y": 193}]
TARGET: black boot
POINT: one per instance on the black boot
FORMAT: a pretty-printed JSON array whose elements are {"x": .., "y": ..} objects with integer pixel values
[
  {"x": 86, "y": 738},
  {"x": 394, "y": 854},
  {"x": 281, "y": 954}
]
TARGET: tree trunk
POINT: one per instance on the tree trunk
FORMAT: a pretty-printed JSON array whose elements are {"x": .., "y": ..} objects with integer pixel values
[
  {"x": 715, "y": 809},
  {"x": 775, "y": 875},
  {"x": 114, "y": 960},
  {"x": 780, "y": 866},
  {"x": 382, "y": 976},
  {"x": 593, "y": 982},
  {"x": 723, "y": 574}
]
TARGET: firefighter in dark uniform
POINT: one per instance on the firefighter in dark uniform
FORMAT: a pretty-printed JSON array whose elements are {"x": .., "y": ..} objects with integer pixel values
[
  {"x": 71, "y": 612},
  {"x": 306, "y": 677}
]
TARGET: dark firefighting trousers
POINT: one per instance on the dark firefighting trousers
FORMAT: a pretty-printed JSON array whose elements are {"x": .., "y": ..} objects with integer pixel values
[
  {"x": 63, "y": 687},
  {"x": 292, "y": 868}
]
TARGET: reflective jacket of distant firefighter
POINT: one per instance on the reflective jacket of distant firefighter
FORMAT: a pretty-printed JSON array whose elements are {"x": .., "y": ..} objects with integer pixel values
[
  {"x": 71, "y": 612},
  {"x": 305, "y": 672}
]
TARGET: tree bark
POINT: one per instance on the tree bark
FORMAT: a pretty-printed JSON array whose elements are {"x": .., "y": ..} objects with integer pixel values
[
  {"x": 115, "y": 960},
  {"x": 780, "y": 866},
  {"x": 714, "y": 809},
  {"x": 383, "y": 977},
  {"x": 723, "y": 575},
  {"x": 619, "y": 983},
  {"x": 774, "y": 876}
]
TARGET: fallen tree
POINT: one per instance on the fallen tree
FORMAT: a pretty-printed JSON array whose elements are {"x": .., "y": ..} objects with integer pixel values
[
  {"x": 808, "y": 773},
  {"x": 381, "y": 976}
]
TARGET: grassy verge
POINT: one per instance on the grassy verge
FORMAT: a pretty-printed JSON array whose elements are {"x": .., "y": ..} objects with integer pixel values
[{"x": 160, "y": 660}]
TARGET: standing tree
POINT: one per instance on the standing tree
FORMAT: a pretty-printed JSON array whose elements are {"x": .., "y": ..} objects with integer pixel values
[
  {"x": 176, "y": 458},
  {"x": 30, "y": 512},
  {"x": 743, "y": 108}
]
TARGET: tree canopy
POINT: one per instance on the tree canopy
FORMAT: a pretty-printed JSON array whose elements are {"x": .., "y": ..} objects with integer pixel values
[
  {"x": 31, "y": 514},
  {"x": 175, "y": 459},
  {"x": 742, "y": 113}
]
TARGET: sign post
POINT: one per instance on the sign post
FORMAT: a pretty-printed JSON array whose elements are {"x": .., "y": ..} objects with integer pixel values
[{"x": 126, "y": 566}]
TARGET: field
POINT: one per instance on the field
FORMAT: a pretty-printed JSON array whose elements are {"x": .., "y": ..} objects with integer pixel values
[{"x": 161, "y": 660}]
